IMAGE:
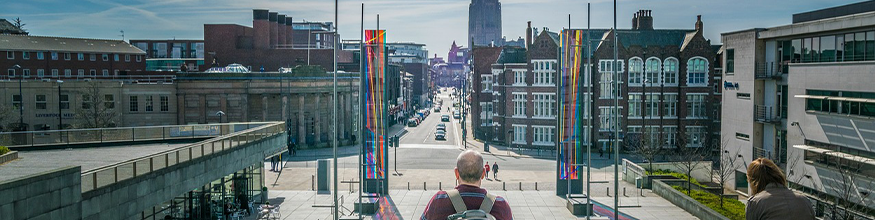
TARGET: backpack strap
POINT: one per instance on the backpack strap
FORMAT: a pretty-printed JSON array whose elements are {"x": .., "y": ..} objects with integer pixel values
[
  {"x": 488, "y": 201},
  {"x": 457, "y": 201}
]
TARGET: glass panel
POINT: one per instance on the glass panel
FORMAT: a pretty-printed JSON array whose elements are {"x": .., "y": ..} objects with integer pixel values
[
  {"x": 859, "y": 46},
  {"x": 870, "y": 45},
  {"x": 815, "y": 49},
  {"x": 797, "y": 50},
  {"x": 867, "y": 109},
  {"x": 849, "y": 47},
  {"x": 827, "y": 49},
  {"x": 813, "y": 105},
  {"x": 806, "y": 50}
]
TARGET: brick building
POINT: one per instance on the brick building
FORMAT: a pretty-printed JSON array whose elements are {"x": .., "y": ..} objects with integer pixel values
[
  {"x": 171, "y": 54},
  {"x": 41, "y": 57}
]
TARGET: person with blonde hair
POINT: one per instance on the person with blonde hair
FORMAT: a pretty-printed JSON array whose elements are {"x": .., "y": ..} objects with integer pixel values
[{"x": 769, "y": 196}]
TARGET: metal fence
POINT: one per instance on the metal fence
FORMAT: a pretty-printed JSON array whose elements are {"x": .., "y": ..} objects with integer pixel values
[
  {"x": 125, "y": 134},
  {"x": 110, "y": 174}
]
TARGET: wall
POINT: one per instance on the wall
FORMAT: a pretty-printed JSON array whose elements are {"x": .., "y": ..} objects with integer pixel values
[
  {"x": 702, "y": 173},
  {"x": 685, "y": 202},
  {"x": 50, "y": 195},
  {"x": 737, "y": 114}
]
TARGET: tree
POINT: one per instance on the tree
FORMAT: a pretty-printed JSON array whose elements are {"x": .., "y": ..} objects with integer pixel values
[
  {"x": 689, "y": 158},
  {"x": 842, "y": 179},
  {"x": 643, "y": 146},
  {"x": 725, "y": 168},
  {"x": 98, "y": 109},
  {"x": 6, "y": 115}
]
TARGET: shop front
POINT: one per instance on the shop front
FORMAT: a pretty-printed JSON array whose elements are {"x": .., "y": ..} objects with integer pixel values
[{"x": 237, "y": 194}]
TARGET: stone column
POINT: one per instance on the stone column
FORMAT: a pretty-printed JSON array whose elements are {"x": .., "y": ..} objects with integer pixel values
[
  {"x": 264, "y": 107},
  {"x": 202, "y": 108},
  {"x": 317, "y": 113},
  {"x": 302, "y": 135},
  {"x": 180, "y": 108}
]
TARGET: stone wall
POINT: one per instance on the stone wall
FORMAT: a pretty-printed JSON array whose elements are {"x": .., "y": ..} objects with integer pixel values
[
  {"x": 53, "y": 194},
  {"x": 128, "y": 198},
  {"x": 685, "y": 202},
  {"x": 10, "y": 156}
]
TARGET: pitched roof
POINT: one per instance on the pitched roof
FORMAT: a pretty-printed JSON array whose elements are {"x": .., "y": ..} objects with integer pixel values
[
  {"x": 64, "y": 44},
  {"x": 512, "y": 55},
  {"x": 7, "y": 27},
  {"x": 647, "y": 38},
  {"x": 688, "y": 38}
]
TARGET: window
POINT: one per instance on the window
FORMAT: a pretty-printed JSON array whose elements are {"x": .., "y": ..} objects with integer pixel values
[
  {"x": 67, "y": 56},
  {"x": 742, "y": 95},
  {"x": 54, "y": 55},
  {"x": 543, "y": 135},
  {"x": 606, "y": 117},
  {"x": 696, "y": 105},
  {"x": 25, "y": 73},
  {"x": 519, "y": 77},
  {"x": 832, "y": 104},
  {"x": 93, "y": 57},
  {"x": 519, "y": 134},
  {"x": 55, "y": 73},
  {"x": 65, "y": 101},
  {"x": 80, "y": 56},
  {"x": 159, "y": 50},
  {"x": 607, "y": 89},
  {"x": 115, "y": 57},
  {"x": 68, "y": 73},
  {"x": 105, "y": 57},
  {"x": 544, "y": 71},
  {"x": 635, "y": 105},
  {"x": 605, "y": 66},
  {"x": 165, "y": 103},
  {"x": 87, "y": 101},
  {"x": 695, "y": 136},
  {"x": 149, "y": 103},
  {"x": 40, "y": 56},
  {"x": 697, "y": 72},
  {"x": 109, "y": 101},
  {"x": 92, "y": 72},
  {"x": 81, "y": 73},
  {"x": 139, "y": 58},
  {"x": 135, "y": 105},
  {"x": 486, "y": 82},
  {"x": 10, "y": 55},
  {"x": 10, "y": 72},
  {"x": 25, "y": 55},
  {"x": 742, "y": 136},
  {"x": 652, "y": 70},
  {"x": 40, "y": 73},
  {"x": 544, "y": 103},
  {"x": 669, "y": 136},
  {"x": 651, "y": 105},
  {"x": 127, "y": 58},
  {"x": 105, "y": 72},
  {"x": 635, "y": 71},
  {"x": 115, "y": 72},
  {"x": 486, "y": 113},
  {"x": 519, "y": 105},
  {"x": 670, "y": 102},
  {"x": 16, "y": 101}
]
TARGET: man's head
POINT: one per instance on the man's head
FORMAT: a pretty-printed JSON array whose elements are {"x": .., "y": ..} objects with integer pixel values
[{"x": 469, "y": 167}]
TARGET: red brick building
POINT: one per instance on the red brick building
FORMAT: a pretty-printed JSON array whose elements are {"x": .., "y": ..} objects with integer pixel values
[
  {"x": 62, "y": 57},
  {"x": 266, "y": 44}
]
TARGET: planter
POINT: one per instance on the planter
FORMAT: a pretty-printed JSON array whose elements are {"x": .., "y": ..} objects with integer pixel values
[{"x": 9, "y": 156}]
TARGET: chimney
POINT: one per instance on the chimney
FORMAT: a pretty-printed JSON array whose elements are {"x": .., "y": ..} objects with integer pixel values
[
  {"x": 261, "y": 27},
  {"x": 281, "y": 29},
  {"x": 529, "y": 35},
  {"x": 699, "y": 23},
  {"x": 635, "y": 21},
  {"x": 273, "y": 26},
  {"x": 645, "y": 20},
  {"x": 289, "y": 31}
]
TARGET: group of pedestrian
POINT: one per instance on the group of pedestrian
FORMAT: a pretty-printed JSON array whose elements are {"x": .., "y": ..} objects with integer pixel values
[
  {"x": 276, "y": 163},
  {"x": 494, "y": 169}
]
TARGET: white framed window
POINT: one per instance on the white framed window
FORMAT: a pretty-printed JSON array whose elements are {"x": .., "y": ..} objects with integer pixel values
[
  {"x": 519, "y": 134},
  {"x": 652, "y": 69},
  {"x": 92, "y": 72},
  {"x": 115, "y": 57},
  {"x": 670, "y": 105},
  {"x": 80, "y": 56},
  {"x": 10, "y": 72},
  {"x": 486, "y": 83},
  {"x": 10, "y": 55},
  {"x": 67, "y": 56},
  {"x": 544, "y": 105},
  {"x": 606, "y": 65},
  {"x": 651, "y": 105},
  {"x": 139, "y": 58},
  {"x": 670, "y": 71},
  {"x": 636, "y": 69},
  {"x": 25, "y": 73},
  {"x": 606, "y": 116},
  {"x": 92, "y": 57},
  {"x": 695, "y": 136},
  {"x": 105, "y": 57},
  {"x": 41, "y": 102},
  {"x": 669, "y": 136},
  {"x": 40, "y": 73},
  {"x": 105, "y": 72},
  {"x": 55, "y": 73},
  {"x": 68, "y": 73},
  {"x": 486, "y": 113},
  {"x": 697, "y": 72},
  {"x": 543, "y": 135},
  {"x": 519, "y": 104},
  {"x": 519, "y": 77},
  {"x": 607, "y": 90},
  {"x": 635, "y": 105},
  {"x": 80, "y": 73},
  {"x": 127, "y": 58},
  {"x": 25, "y": 55},
  {"x": 40, "y": 56},
  {"x": 696, "y": 105},
  {"x": 544, "y": 72},
  {"x": 54, "y": 55}
]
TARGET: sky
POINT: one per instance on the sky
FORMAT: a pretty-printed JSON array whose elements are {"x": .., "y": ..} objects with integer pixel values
[{"x": 436, "y": 23}]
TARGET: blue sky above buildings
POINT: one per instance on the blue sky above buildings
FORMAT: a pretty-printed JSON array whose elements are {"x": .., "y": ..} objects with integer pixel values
[{"x": 433, "y": 22}]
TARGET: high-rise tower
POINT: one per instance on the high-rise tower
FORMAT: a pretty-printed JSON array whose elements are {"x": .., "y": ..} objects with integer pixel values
[{"x": 484, "y": 22}]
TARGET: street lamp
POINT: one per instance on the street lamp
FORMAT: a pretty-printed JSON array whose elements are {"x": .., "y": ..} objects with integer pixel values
[
  {"x": 21, "y": 126},
  {"x": 60, "y": 113},
  {"x": 220, "y": 114}
]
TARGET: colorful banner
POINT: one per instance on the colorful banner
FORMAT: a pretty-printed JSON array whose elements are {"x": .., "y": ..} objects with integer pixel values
[
  {"x": 570, "y": 146},
  {"x": 375, "y": 139}
]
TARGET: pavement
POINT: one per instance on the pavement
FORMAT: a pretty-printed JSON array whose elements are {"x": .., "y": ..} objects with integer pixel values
[{"x": 421, "y": 166}]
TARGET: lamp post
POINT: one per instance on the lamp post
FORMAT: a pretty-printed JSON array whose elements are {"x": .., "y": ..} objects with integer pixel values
[
  {"x": 60, "y": 113},
  {"x": 220, "y": 114},
  {"x": 20, "y": 100}
]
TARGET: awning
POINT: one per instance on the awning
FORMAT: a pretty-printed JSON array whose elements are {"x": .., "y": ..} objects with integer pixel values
[
  {"x": 836, "y": 98},
  {"x": 829, "y": 152}
]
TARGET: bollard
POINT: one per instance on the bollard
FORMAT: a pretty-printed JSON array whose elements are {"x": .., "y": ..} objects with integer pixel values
[
  {"x": 521, "y": 186},
  {"x": 624, "y": 192},
  {"x": 423, "y": 186},
  {"x": 313, "y": 182},
  {"x": 504, "y": 186},
  {"x": 608, "y": 191},
  {"x": 641, "y": 192},
  {"x": 408, "y": 186},
  {"x": 536, "y": 186}
]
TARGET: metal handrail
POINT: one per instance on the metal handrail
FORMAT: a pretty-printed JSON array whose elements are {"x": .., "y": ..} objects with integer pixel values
[
  {"x": 159, "y": 160},
  {"x": 108, "y": 135}
]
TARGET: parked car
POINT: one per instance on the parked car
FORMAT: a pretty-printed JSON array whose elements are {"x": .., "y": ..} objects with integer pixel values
[
  {"x": 437, "y": 109},
  {"x": 440, "y": 135},
  {"x": 445, "y": 118},
  {"x": 457, "y": 115},
  {"x": 441, "y": 127},
  {"x": 412, "y": 123}
]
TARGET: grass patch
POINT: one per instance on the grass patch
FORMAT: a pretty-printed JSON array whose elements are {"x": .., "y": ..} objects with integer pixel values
[
  {"x": 677, "y": 175},
  {"x": 4, "y": 150},
  {"x": 732, "y": 208}
]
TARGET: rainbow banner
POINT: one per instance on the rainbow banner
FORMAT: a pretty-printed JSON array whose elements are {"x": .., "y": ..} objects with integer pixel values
[
  {"x": 374, "y": 65},
  {"x": 570, "y": 146}
]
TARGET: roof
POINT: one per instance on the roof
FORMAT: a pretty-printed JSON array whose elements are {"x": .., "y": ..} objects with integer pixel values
[
  {"x": 688, "y": 38},
  {"x": 64, "y": 44},
  {"x": 647, "y": 38},
  {"x": 7, "y": 27},
  {"x": 512, "y": 55},
  {"x": 554, "y": 36}
]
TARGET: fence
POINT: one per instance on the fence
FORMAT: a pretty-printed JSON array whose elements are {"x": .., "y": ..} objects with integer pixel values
[
  {"x": 125, "y": 134},
  {"x": 109, "y": 174}
]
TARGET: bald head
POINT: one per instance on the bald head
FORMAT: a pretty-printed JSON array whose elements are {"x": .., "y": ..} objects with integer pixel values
[{"x": 470, "y": 166}]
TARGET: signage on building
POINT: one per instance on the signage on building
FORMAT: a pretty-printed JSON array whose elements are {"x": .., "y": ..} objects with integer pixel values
[
  {"x": 727, "y": 85},
  {"x": 55, "y": 115}
]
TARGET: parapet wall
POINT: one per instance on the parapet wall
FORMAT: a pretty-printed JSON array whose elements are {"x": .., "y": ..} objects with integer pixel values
[{"x": 53, "y": 195}]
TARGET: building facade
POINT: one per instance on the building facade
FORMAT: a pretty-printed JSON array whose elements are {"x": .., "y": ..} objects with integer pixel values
[
  {"x": 171, "y": 55},
  {"x": 484, "y": 22},
  {"x": 800, "y": 95}
]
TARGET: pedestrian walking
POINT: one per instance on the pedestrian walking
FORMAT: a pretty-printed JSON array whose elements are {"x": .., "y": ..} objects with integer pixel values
[
  {"x": 487, "y": 170},
  {"x": 272, "y": 163},
  {"x": 495, "y": 170},
  {"x": 601, "y": 152}
]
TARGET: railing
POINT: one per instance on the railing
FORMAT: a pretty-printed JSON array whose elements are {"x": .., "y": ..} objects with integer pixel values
[
  {"x": 140, "y": 79},
  {"x": 769, "y": 70},
  {"x": 766, "y": 114},
  {"x": 113, "y": 173},
  {"x": 126, "y": 134}
]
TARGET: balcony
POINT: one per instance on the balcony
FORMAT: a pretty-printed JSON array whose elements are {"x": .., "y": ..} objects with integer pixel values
[
  {"x": 769, "y": 70},
  {"x": 766, "y": 114}
]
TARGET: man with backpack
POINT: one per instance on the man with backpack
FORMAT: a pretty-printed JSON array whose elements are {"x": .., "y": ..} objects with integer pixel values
[{"x": 467, "y": 200}]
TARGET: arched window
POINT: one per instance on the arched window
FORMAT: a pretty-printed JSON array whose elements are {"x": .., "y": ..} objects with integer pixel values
[
  {"x": 636, "y": 68},
  {"x": 670, "y": 71},
  {"x": 652, "y": 69},
  {"x": 697, "y": 72}
]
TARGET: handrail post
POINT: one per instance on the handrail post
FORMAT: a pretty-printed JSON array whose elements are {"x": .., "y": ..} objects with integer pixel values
[{"x": 133, "y": 134}]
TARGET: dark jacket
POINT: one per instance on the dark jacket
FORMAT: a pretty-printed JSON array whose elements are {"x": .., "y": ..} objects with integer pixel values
[
  {"x": 778, "y": 202},
  {"x": 440, "y": 205}
]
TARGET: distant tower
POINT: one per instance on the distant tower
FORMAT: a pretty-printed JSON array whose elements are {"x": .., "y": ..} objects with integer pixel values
[{"x": 484, "y": 23}]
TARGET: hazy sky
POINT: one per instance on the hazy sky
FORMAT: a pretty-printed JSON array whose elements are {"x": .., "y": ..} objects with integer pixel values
[{"x": 436, "y": 23}]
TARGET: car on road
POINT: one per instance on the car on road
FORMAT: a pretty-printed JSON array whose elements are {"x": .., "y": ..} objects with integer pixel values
[
  {"x": 412, "y": 122},
  {"x": 437, "y": 109},
  {"x": 441, "y": 127},
  {"x": 440, "y": 135},
  {"x": 445, "y": 118},
  {"x": 457, "y": 115}
]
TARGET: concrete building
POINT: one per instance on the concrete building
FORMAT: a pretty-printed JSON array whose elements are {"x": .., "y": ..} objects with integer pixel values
[
  {"x": 484, "y": 22},
  {"x": 801, "y": 95},
  {"x": 172, "y": 54}
]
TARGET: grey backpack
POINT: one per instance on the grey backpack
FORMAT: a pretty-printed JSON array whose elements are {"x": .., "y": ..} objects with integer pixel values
[{"x": 462, "y": 212}]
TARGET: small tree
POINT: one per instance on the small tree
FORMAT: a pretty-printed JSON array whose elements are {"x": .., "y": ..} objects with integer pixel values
[
  {"x": 726, "y": 167},
  {"x": 6, "y": 115},
  {"x": 98, "y": 109},
  {"x": 845, "y": 185},
  {"x": 642, "y": 146},
  {"x": 689, "y": 158}
]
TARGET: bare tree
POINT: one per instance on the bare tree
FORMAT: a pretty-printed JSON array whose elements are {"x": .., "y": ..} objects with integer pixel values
[
  {"x": 643, "y": 146},
  {"x": 689, "y": 158},
  {"x": 847, "y": 189},
  {"x": 6, "y": 115},
  {"x": 98, "y": 109},
  {"x": 18, "y": 24},
  {"x": 725, "y": 168}
]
